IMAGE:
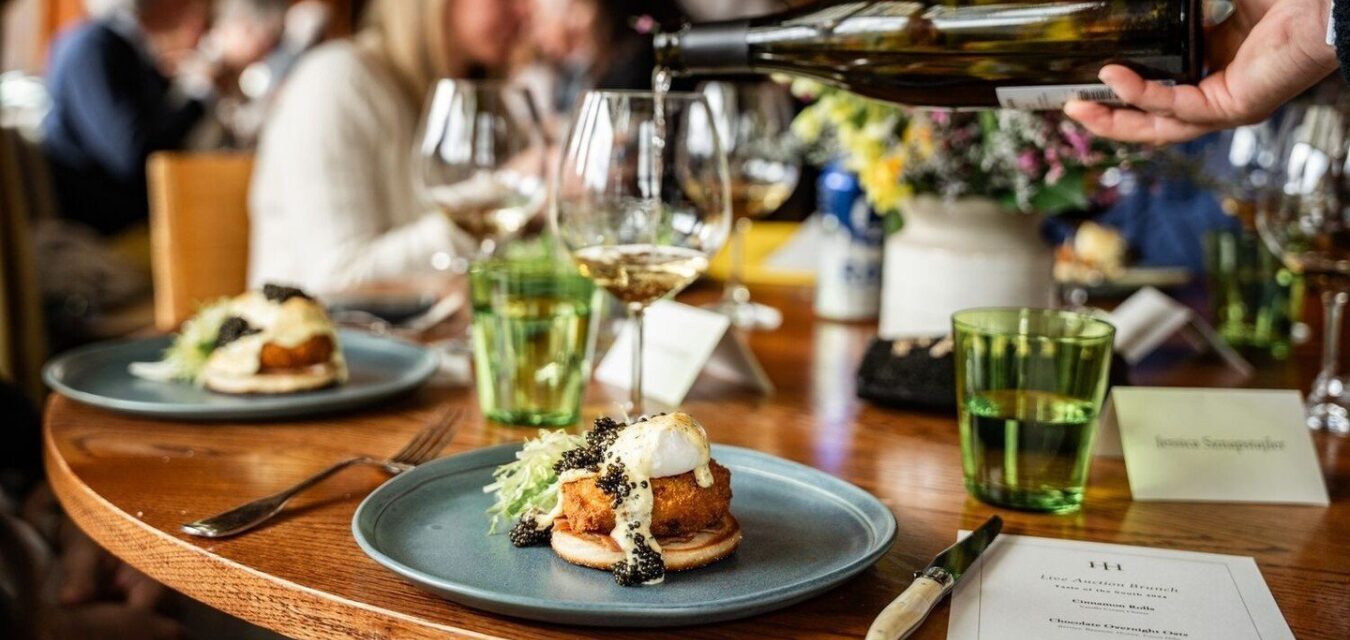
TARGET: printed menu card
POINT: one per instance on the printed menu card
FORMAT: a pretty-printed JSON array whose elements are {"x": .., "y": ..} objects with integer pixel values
[{"x": 1026, "y": 588}]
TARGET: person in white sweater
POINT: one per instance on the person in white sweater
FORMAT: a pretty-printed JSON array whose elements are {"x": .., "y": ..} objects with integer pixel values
[{"x": 333, "y": 202}]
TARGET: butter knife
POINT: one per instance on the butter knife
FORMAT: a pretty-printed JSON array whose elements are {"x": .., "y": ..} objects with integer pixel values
[{"x": 908, "y": 611}]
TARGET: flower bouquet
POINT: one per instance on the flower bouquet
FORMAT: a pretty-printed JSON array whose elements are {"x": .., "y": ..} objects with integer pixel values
[
  {"x": 952, "y": 177},
  {"x": 1029, "y": 162}
]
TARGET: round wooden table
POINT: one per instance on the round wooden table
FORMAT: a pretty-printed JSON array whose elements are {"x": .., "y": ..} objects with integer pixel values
[{"x": 129, "y": 482}]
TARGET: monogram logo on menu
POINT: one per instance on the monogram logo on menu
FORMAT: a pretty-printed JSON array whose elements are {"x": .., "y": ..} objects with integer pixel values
[{"x": 1105, "y": 566}]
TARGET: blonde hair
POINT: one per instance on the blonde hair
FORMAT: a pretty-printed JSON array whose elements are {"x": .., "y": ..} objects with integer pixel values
[{"x": 410, "y": 37}]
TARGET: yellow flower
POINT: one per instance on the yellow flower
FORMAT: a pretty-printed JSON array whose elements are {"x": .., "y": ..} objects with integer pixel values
[
  {"x": 803, "y": 88},
  {"x": 881, "y": 181},
  {"x": 809, "y": 124},
  {"x": 918, "y": 138}
]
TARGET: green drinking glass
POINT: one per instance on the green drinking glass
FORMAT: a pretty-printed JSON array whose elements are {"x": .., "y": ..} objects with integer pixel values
[
  {"x": 533, "y": 338},
  {"x": 1029, "y": 388}
]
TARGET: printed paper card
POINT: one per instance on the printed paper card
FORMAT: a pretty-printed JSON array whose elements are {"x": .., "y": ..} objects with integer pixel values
[
  {"x": 1027, "y": 588},
  {"x": 1218, "y": 445}
]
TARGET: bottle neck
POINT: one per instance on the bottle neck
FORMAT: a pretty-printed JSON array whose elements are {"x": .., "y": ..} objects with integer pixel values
[{"x": 721, "y": 47}]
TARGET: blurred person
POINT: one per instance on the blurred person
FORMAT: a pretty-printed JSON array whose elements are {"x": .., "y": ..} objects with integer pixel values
[
  {"x": 303, "y": 28},
  {"x": 579, "y": 45},
  {"x": 712, "y": 10},
  {"x": 243, "y": 34},
  {"x": 334, "y": 202},
  {"x": 121, "y": 89},
  {"x": 245, "y": 31}
]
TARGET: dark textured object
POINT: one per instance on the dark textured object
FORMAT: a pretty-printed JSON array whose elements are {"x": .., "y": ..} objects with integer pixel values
[
  {"x": 923, "y": 377},
  {"x": 911, "y": 379},
  {"x": 277, "y": 293},
  {"x": 528, "y": 534},
  {"x": 233, "y": 329},
  {"x": 646, "y": 565}
]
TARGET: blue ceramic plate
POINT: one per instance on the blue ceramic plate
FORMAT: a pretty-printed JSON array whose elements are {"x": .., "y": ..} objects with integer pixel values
[
  {"x": 97, "y": 375},
  {"x": 429, "y": 526}
]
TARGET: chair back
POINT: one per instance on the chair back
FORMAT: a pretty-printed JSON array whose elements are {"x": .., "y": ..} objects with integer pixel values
[{"x": 198, "y": 230}]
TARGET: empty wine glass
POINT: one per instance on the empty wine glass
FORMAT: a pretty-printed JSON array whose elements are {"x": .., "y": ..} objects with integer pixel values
[
  {"x": 480, "y": 158},
  {"x": 753, "y": 122},
  {"x": 641, "y": 198},
  {"x": 1305, "y": 219}
]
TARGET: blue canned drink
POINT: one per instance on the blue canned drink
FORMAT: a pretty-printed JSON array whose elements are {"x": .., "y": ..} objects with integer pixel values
[{"x": 848, "y": 275}]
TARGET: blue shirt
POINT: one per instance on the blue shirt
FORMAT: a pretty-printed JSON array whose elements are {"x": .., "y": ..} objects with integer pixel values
[{"x": 111, "y": 108}]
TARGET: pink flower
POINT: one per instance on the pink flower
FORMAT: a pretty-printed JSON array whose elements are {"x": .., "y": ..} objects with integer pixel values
[
  {"x": 940, "y": 118},
  {"x": 1028, "y": 163},
  {"x": 1054, "y": 174},
  {"x": 1080, "y": 141}
]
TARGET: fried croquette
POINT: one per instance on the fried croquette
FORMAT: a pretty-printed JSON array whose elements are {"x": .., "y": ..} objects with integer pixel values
[
  {"x": 316, "y": 350},
  {"x": 679, "y": 506}
]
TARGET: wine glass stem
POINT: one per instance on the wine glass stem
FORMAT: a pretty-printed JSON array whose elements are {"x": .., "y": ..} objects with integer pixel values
[
  {"x": 1334, "y": 304},
  {"x": 735, "y": 292},
  {"x": 635, "y": 391}
]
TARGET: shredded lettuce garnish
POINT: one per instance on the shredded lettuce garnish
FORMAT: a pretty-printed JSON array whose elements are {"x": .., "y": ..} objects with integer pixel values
[
  {"x": 530, "y": 482},
  {"x": 186, "y": 357}
]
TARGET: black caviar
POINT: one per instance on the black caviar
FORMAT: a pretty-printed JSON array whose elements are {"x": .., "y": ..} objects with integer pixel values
[
  {"x": 614, "y": 482},
  {"x": 589, "y": 456},
  {"x": 646, "y": 565},
  {"x": 278, "y": 293},
  {"x": 603, "y": 432},
  {"x": 233, "y": 329},
  {"x": 527, "y": 534}
]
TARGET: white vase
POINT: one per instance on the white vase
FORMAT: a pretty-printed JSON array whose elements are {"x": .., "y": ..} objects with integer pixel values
[{"x": 959, "y": 254}]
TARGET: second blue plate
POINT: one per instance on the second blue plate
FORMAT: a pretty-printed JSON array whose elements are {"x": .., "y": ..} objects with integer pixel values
[{"x": 97, "y": 375}]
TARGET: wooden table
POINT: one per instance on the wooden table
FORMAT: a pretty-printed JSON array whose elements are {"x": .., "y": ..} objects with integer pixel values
[{"x": 130, "y": 482}]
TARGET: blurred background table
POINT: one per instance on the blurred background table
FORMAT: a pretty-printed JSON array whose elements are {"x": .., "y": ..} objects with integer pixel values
[{"x": 130, "y": 482}]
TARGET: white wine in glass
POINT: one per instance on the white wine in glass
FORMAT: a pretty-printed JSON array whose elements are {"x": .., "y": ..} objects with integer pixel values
[
  {"x": 481, "y": 159},
  {"x": 641, "y": 199}
]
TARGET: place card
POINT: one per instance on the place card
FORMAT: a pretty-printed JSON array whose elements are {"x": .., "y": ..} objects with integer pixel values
[
  {"x": 680, "y": 342},
  {"x": 1218, "y": 445},
  {"x": 1149, "y": 317},
  {"x": 1024, "y": 587}
]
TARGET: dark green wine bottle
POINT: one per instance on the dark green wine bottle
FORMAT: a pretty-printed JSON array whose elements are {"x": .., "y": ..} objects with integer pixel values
[{"x": 957, "y": 53}]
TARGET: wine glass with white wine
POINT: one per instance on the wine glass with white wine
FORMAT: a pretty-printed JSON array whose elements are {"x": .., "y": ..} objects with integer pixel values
[
  {"x": 1305, "y": 219},
  {"x": 634, "y": 221},
  {"x": 480, "y": 158},
  {"x": 753, "y": 122}
]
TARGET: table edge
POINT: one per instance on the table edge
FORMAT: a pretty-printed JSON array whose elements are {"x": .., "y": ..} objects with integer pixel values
[{"x": 155, "y": 553}]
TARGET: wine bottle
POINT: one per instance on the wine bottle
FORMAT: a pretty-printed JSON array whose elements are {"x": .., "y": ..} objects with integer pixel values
[{"x": 953, "y": 53}]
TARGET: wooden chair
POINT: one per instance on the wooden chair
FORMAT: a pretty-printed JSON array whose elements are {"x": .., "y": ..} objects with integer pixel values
[{"x": 198, "y": 230}]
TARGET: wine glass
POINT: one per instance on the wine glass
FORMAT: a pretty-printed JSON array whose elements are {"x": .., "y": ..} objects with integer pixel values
[
  {"x": 1305, "y": 219},
  {"x": 753, "y": 122},
  {"x": 480, "y": 159},
  {"x": 641, "y": 198},
  {"x": 1252, "y": 293}
]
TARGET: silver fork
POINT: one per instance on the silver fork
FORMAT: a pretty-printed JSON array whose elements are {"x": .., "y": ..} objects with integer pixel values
[{"x": 424, "y": 446}]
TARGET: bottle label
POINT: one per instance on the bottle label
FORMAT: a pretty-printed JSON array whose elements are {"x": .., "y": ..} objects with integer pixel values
[
  {"x": 1055, "y": 96},
  {"x": 1048, "y": 97}
]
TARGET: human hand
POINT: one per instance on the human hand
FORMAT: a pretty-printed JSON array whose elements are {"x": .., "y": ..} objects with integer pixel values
[{"x": 1268, "y": 52}]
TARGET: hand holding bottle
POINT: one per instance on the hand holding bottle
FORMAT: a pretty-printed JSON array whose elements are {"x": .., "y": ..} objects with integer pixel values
[{"x": 1268, "y": 52}]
